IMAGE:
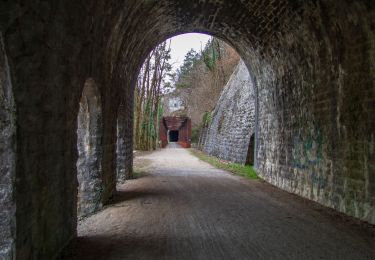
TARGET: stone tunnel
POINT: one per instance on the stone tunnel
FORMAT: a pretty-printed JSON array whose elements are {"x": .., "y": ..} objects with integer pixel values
[
  {"x": 312, "y": 64},
  {"x": 175, "y": 129}
]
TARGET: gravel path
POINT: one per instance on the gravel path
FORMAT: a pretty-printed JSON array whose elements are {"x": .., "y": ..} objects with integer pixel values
[{"x": 183, "y": 208}]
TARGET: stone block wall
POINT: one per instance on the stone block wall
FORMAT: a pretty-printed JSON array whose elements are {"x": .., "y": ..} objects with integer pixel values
[
  {"x": 53, "y": 47},
  {"x": 313, "y": 68},
  {"x": 89, "y": 146},
  {"x": 7, "y": 159},
  {"x": 124, "y": 149},
  {"x": 202, "y": 138},
  {"x": 233, "y": 119},
  {"x": 316, "y": 129}
]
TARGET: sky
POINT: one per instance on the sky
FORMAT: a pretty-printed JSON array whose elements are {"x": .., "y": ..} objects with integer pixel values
[{"x": 181, "y": 44}]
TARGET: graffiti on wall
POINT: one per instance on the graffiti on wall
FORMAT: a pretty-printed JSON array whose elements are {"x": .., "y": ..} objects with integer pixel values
[{"x": 307, "y": 153}]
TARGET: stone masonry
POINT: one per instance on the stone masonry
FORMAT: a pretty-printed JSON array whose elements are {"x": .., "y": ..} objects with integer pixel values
[
  {"x": 233, "y": 119},
  {"x": 124, "y": 148},
  {"x": 7, "y": 159},
  {"x": 313, "y": 67},
  {"x": 89, "y": 163}
]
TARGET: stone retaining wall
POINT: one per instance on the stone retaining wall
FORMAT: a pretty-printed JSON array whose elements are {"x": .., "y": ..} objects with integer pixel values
[{"x": 233, "y": 119}]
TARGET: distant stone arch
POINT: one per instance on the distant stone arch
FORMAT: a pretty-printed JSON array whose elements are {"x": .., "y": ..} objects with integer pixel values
[
  {"x": 7, "y": 159},
  {"x": 89, "y": 145}
]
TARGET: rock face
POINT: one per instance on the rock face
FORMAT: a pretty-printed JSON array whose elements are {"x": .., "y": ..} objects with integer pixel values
[
  {"x": 313, "y": 67},
  {"x": 233, "y": 119}
]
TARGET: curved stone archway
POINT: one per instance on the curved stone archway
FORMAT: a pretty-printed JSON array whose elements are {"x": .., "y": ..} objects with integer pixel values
[
  {"x": 312, "y": 63},
  {"x": 89, "y": 146},
  {"x": 302, "y": 112}
]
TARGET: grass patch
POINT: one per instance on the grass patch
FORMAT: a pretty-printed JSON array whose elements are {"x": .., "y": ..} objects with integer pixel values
[
  {"x": 242, "y": 170},
  {"x": 138, "y": 173}
]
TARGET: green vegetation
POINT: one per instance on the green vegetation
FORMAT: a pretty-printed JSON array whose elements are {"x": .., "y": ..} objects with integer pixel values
[
  {"x": 209, "y": 56},
  {"x": 195, "y": 135},
  {"x": 242, "y": 170},
  {"x": 151, "y": 85},
  {"x": 191, "y": 58},
  {"x": 206, "y": 119},
  {"x": 138, "y": 173}
]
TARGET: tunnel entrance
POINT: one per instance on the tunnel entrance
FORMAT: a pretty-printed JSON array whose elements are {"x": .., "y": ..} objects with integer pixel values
[
  {"x": 173, "y": 136},
  {"x": 175, "y": 129}
]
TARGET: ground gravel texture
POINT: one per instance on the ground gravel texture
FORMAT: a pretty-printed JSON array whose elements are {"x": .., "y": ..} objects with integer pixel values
[{"x": 183, "y": 208}]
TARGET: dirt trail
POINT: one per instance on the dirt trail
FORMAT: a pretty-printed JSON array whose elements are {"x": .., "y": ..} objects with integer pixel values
[{"x": 183, "y": 208}]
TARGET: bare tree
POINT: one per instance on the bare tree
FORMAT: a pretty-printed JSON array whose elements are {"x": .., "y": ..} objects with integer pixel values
[{"x": 148, "y": 92}]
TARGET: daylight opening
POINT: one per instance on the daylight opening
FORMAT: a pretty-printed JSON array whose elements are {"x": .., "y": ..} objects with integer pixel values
[{"x": 195, "y": 90}]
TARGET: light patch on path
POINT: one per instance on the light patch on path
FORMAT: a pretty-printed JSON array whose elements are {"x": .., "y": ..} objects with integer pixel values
[{"x": 184, "y": 208}]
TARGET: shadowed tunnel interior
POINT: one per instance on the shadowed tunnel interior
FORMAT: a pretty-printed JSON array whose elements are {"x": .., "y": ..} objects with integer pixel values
[
  {"x": 250, "y": 151},
  {"x": 173, "y": 136},
  {"x": 312, "y": 63}
]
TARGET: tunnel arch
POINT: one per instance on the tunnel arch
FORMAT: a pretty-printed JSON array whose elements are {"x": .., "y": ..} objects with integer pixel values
[
  {"x": 315, "y": 131},
  {"x": 89, "y": 146},
  {"x": 237, "y": 47},
  {"x": 249, "y": 48},
  {"x": 286, "y": 54}
]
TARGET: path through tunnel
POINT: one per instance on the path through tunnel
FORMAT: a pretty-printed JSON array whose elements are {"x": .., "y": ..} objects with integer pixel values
[
  {"x": 311, "y": 62},
  {"x": 180, "y": 201}
]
